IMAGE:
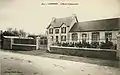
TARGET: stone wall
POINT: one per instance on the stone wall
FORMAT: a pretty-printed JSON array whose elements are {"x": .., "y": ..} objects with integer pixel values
[{"x": 84, "y": 52}]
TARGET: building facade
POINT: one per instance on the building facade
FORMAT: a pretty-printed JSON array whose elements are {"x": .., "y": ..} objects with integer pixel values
[{"x": 68, "y": 29}]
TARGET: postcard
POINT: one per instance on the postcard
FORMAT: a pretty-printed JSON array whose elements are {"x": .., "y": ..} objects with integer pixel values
[{"x": 59, "y": 37}]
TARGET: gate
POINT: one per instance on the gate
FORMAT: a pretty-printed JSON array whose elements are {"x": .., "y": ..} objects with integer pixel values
[{"x": 42, "y": 44}]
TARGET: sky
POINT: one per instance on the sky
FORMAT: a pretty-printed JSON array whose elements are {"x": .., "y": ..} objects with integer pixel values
[{"x": 33, "y": 17}]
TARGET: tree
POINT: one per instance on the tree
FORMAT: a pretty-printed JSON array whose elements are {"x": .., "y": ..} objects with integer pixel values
[
  {"x": 14, "y": 32},
  {"x": 22, "y": 33}
]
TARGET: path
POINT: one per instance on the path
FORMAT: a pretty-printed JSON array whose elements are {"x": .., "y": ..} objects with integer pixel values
[{"x": 12, "y": 63}]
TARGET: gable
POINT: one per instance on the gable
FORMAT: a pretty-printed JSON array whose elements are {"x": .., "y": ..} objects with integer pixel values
[
  {"x": 58, "y": 22},
  {"x": 50, "y": 26},
  {"x": 63, "y": 25}
]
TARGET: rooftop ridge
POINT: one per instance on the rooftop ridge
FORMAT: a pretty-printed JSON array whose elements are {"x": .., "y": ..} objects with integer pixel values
[{"x": 100, "y": 19}]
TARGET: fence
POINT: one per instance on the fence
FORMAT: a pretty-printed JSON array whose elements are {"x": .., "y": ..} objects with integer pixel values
[
  {"x": 19, "y": 43},
  {"x": 102, "y": 44},
  {"x": 42, "y": 43}
]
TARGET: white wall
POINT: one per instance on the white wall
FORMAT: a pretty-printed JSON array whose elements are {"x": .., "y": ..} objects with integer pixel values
[
  {"x": 59, "y": 34},
  {"x": 102, "y": 36},
  {"x": 56, "y": 35},
  {"x": 89, "y": 36},
  {"x": 49, "y": 35},
  {"x": 64, "y": 34},
  {"x": 114, "y": 36}
]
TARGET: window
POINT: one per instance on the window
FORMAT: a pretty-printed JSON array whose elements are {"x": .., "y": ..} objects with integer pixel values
[
  {"x": 95, "y": 36},
  {"x": 84, "y": 37},
  {"x": 56, "y": 38},
  {"x": 50, "y": 31},
  {"x": 108, "y": 36},
  {"x": 63, "y": 38},
  {"x": 63, "y": 30},
  {"x": 56, "y": 31},
  {"x": 74, "y": 37}
]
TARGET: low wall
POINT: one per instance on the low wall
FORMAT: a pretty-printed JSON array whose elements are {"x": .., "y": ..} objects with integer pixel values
[
  {"x": 19, "y": 43},
  {"x": 23, "y": 47},
  {"x": 85, "y": 52},
  {"x": 24, "y": 41}
]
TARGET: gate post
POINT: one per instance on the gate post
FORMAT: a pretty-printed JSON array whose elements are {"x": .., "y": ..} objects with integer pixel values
[
  {"x": 37, "y": 43},
  {"x": 49, "y": 43},
  {"x": 118, "y": 47}
]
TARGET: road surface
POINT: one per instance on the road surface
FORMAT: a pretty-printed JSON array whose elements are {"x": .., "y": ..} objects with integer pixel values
[{"x": 20, "y": 64}]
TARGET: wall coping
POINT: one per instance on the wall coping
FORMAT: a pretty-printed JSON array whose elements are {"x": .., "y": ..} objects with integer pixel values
[
  {"x": 17, "y": 37},
  {"x": 93, "y": 49},
  {"x": 24, "y": 44}
]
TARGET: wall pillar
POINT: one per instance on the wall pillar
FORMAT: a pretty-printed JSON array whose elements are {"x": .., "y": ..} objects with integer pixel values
[
  {"x": 102, "y": 36},
  {"x": 78, "y": 36},
  {"x": 12, "y": 41},
  {"x": 49, "y": 43},
  {"x": 70, "y": 40},
  {"x": 118, "y": 47},
  {"x": 90, "y": 36},
  {"x": 37, "y": 43}
]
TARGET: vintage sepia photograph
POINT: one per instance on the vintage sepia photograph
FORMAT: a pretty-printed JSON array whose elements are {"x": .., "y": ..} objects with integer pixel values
[{"x": 59, "y": 37}]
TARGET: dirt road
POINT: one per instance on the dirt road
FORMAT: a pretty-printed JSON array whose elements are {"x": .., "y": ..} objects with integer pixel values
[
  {"x": 20, "y": 64},
  {"x": 43, "y": 53}
]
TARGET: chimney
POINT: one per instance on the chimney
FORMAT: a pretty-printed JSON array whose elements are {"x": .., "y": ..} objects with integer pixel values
[
  {"x": 74, "y": 17},
  {"x": 53, "y": 19}
]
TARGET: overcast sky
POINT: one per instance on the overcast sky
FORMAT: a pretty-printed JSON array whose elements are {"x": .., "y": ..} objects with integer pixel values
[{"x": 33, "y": 17}]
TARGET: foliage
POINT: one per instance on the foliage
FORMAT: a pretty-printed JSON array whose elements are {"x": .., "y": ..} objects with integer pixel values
[
  {"x": 102, "y": 45},
  {"x": 95, "y": 44},
  {"x": 71, "y": 44},
  {"x": 14, "y": 32},
  {"x": 107, "y": 45}
]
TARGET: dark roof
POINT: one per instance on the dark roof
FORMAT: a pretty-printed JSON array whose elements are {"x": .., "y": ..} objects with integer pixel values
[
  {"x": 59, "y": 21},
  {"x": 97, "y": 25}
]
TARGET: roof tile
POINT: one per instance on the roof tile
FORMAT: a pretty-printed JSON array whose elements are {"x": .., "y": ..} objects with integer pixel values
[{"x": 97, "y": 25}]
